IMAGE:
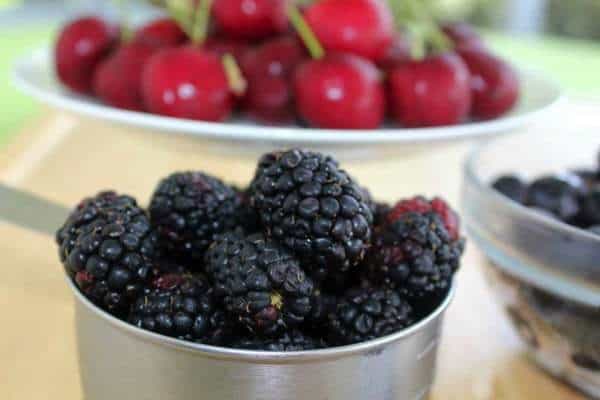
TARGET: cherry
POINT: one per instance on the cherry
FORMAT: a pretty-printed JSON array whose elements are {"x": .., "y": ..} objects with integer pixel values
[
  {"x": 462, "y": 34},
  {"x": 81, "y": 45},
  {"x": 222, "y": 46},
  {"x": 340, "y": 91},
  {"x": 363, "y": 27},
  {"x": 187, "y": 82},
  {"x": 397, "y": 53},
  {"x": 250, "y": 19},
  {"x": 430, "y": 92},
  {"x": 268, "y": 70},
  {"x": 494, "y": 83},
  {"x": 277, "y": 57},
  {"x": 117, "y": 80},
  {"x": 163, "y": 32}
]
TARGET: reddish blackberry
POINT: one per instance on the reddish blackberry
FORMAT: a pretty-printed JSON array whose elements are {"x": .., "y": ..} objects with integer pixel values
[
  {"x": 261, "y": 283},
  {"x": 108, "y": 249},
  {"x": 313, "y": 207},
  {"x": 415, "y": 255},
  {"x": 294, "y": 340},
  {"x": 189, "y": 209},
  {"x": 420, "y": 204},
  {"x": 366, "y": 313},
  {"x": 181, "y": 306}
]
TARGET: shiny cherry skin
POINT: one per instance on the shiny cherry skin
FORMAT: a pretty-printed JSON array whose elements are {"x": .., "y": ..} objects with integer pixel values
[
  {"x": 117, "y": 80},
  {"x": 162, "y": 32},
  {"x": 222, "y": 46},
  {"x": 397, "y": 53},
  {"x": 276, "y": 57},
  {"x": 270, "y": 100},
  {"x": 340, "y": 91},
  {"x": 430, "y": 92},
  {"x": 80, "y": 47},
  {"x": 462, "y": 34},
  {"x": 494, "y": 83},
  {"x": 362, "y": 27},
  {"x": 250, "y": 19},
  {"x": 187, "y": 82}
]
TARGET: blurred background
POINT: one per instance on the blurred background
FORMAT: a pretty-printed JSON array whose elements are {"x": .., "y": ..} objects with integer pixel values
[{"x": 559, "y": 37}]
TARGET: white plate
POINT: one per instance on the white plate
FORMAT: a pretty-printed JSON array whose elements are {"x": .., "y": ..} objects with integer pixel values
[{"x": 34, "y": 75}]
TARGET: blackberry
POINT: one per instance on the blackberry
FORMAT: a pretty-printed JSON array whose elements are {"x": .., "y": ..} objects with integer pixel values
[
  {"x": 554, "y": 195},
  {"x": 188, "y": 209},
  {"x": 415, "y": 255},
  {"x": 322, "y": 305},
  {"x": 420, "y": 204},
  {"x": 261, "y": 283},
  {"x": 511, "y": 186},
  {"x": 181, "y": 306},
  {"x": 294, "y": 340},
  {"x": 380, "y": 213},
  {"x": 368, "y": 312},
  {"x": 314, "y": 208},
  {"x": 108, "y": 248},
  {"x": 247, "y": 218}
]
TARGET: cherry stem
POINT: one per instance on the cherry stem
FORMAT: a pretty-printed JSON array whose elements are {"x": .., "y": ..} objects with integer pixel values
[
  {"x": 201, "y": 18},
  {"x": 181, "y": 13},
  {"x": 236, "y": 80},
  {"x": 306, "y": 33},
  {"x": 425, "y": 30},
  {"x": 126, "y": 32}
]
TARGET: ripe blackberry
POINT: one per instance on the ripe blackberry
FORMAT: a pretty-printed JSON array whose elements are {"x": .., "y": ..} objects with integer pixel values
[
  {"x": 366, "y": 313},
  {"x": 261, "y": 283},
  {"x": 313, "y": 207},
  {"x": 294, "y": 340},
  {"x": 247, "y": 218},
  {"x": 108, "y": 249},
  {"x": 181, "y": 306},
  {"x": 415, "y": 255},
  {"x": 322, "y": 305},
  {"x": 380, "y": 213},
  {"x": 512, "y": 187},
  {"x": 188, "y": 209}
]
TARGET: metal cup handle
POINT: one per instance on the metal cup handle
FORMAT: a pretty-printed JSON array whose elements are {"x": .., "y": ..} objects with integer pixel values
[{"x": 31, "y": 211}]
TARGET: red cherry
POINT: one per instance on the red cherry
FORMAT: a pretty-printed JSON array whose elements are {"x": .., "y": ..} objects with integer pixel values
[
  {"x": 363, "y": 27},
  {"x": 270, "y": 100},
  {"x": 494, "y": 83},
  {"x": 81, "y": 45},
  {"x": 462, "y": 34},
  {"x": 187, "y": 82},
  {"x": 431, "y": 92},
  {"x": 274, "y": 58},
  {"x": 117, "y": 80},
  {"x": 340, "y": 91},
  {"x": 250, "y": 19},
  {"x": 222, "y": 46},
  {"x": 163, "y": 32},
  {"x": 397, "y": 53}
]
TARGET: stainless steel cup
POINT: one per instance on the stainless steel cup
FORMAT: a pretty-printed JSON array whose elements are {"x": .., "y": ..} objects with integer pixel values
[{"x": 120, "y": 361}]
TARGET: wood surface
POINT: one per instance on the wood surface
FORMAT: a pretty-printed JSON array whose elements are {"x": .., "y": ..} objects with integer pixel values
[{"x": 65, "y": 158}]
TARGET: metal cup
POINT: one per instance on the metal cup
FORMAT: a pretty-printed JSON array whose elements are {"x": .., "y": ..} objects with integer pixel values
[{"x": 121, "y": 361}]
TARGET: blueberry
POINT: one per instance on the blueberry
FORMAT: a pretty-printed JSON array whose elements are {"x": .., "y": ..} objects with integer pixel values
[
  {"x": 555, "y": 196},
  {"x": 511, "y": 186}
]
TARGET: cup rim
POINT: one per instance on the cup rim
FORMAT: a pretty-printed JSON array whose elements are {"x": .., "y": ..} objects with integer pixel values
[{"x": 292, "y": 357}]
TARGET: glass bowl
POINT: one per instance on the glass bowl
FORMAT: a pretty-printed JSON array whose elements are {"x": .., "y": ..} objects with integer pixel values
[{"x": 545, "y": 273}]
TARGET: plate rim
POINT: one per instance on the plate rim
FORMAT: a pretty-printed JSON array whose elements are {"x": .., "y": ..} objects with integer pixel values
[{"x": 265, "y": 133}]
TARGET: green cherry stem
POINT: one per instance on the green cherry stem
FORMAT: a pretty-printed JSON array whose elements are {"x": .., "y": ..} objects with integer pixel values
[
  {"x": 126, "y": 32},
  {"x": 305, "y": 32},
  {"x": 201, "y": 19},
  {"x": 236, "y": 80},
  {"x": 181, "y": 12}
]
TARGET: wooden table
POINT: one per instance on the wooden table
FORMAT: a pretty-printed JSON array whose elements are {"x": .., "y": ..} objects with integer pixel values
[{"x": 65, "y": 158}]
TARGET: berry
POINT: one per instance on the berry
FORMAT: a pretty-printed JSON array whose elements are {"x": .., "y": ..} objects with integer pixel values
[
  {"x": 366, "y": 313},
  {"x": 462, "y": 35},
  {"x": 261, "y": 283},
  {"x": 591, "y": 208},
  {"x": 181, "y": 306},
  {"x": 81, "y": 45},
  {"x": 162, "y": 32},
  {"x": 340, "y": 91},
  {"x": 398, "y": 53},
  {"x": 416, "y": 256},
  {"x": 362, "y": 27},
  {"x": 511, "y": 186},
  {"x": 314, "y": 208},
  {"x": 430, "y": 92},
  {"x": 117, "y": 80},
  {"x": 269, "y": 100},
  {"x": 108, "y": 248},
  {"x": 380, "y": 213},
  {"x": 494, "y": 83},
  {"x": 250, "y": 19},
  {"x": 421, "y": 205},
  {"x": 323, "y": 304},
  {"x": 289, "y": 341},
  {"x": 222, "y": 46},
  {"x": 554, "y": 196},
  {"x": 588, "y": 178},
  {"x": 187, "y": 82},
  {"x": 188, "y": 210},
  {"x": 247, "y": 218}
]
